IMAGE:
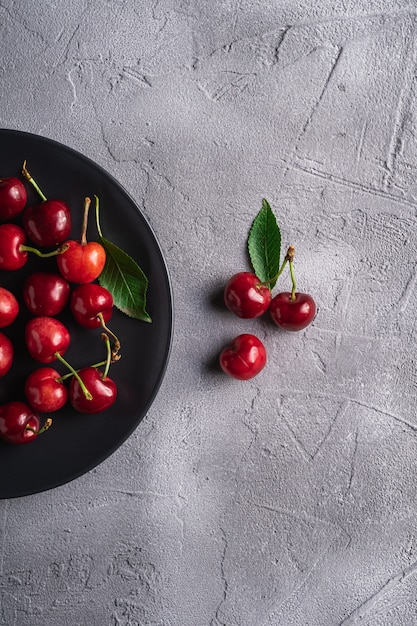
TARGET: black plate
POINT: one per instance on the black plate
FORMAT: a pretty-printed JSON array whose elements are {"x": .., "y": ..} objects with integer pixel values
[{"x": 76, "y": 442}]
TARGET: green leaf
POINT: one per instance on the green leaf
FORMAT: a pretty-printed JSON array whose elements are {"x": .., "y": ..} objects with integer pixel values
[
  {"x": 125, "y": 280},
  {"x": 264, "y": 245}
]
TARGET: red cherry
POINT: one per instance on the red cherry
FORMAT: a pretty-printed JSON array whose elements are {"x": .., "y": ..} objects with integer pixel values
[
  {"x": 19, "y": 424},
  {"x": 81, "y": 262},
  {"x": 292, "y": 314},
  {"x": 88, "y": 302},
  {"x": 245, "y": 296},
  {"x": 46, "y": 338},
  {"x": 13, "y": 198},
  {"x": 46, "y": 293},
  {"x": 47, "y": 224},
  {"x": 12, "y": 256},
  {"x": 244, "y": 357},
  {"x": 6, "y": 354},
  {"x": 9, "y": 307},
  {"x": 44, "y": 390},
  {"x": 103, "y": 391}
]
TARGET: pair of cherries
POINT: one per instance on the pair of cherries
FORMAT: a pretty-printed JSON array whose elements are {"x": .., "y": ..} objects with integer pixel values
[
  {"x": 248, "y": 298},
  {"x": 47, "y": 225}
]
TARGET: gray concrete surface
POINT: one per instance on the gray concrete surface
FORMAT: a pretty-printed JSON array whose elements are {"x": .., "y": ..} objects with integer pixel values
[{"x": 288, "y": 500}]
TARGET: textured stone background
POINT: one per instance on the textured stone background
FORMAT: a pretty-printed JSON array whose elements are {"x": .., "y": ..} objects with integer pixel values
[{"x": 289, "y": 500}]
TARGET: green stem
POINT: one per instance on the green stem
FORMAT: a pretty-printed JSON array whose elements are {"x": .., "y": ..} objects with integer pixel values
[
  {"x": 294, "y": 285},
  {"x": 74, "y": 372},
  {"x": 32, "y": 181},
  {"x": 47, "y": 424},
  {"x": 117, "y": 344},
  {"x": 65, "y": 376},
  {"x": 106, "y": 339},
  {"x": 44, "y": 255},
  {"x": 97, "y": 216},
  {"x": 275, "y": 278}
]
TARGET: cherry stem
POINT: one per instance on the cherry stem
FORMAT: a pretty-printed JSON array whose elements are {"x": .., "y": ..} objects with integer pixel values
[
  {"x": 115, "y": 356},
  {"x": 288, "y": 259},
  {"x": 74, "y": 372},
  {"x": 97, "y": 216},
  {"x": 44, "y": 255},
  {"x": 87, "y": 203},
  {"x": 32, "y": 181},
  {"x": 106, "y": 340},
  {"x": 47, "y": 424},
  {"x": 65, "y": 376}
]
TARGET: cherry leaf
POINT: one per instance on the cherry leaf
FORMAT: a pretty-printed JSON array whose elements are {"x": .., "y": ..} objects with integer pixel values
[
  {"x": 125, "y": 280},
  {"x": 264, "y": 245}
]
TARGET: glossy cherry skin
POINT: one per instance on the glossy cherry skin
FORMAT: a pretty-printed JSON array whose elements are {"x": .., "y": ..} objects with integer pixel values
[
  {"x": 45, "y": 337},
  {"x": 44, "y": 390},
  {"x": 87, "y": 301},
  {"x": 245, "y": 296},
  {"x": 244, "y": 357},
  {"x": 47, "y": 224},
  {"x": 6, "y": 354},
  {"x": 104, "y": 391},
  {"x": 291, "y": 314},
  {"x": 46, "y": 293},
  {"x": 81, "y": 262},
  {"x": 13, "y": 198},
  {"x": 17, "y": 420},
  {"x": 9, "y": 307},
  {"x": 12, "y": 237}
]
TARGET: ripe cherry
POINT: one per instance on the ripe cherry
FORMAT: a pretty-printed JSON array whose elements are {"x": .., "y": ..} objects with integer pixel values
[
  {"x": 13, "y": 253},
  {"x": 44, "y": 390},
  {"x": 292, "y": 312},
  {"x": 13, "y": 198},
  {"x": 246, "y": 296},
  {"x": 244, "y": 358},
  {"x": 46, "y": 293},
  {"x": 6, "y": 354},
  {"x": 49, "y": 223},
  {"x": 19, "y": 423},
  {"x": 9, "y": 307},
  {"x": 82, "y": 262},
  {"x": 91, "y": 304},
  {"x": 46, "y": 338},
  {"x": 102, "y": 388}
]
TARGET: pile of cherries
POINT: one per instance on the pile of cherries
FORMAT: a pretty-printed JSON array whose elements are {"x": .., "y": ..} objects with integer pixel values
[
  {"x": 247, "y": 297},
  {"x": 47, "y": 225}
]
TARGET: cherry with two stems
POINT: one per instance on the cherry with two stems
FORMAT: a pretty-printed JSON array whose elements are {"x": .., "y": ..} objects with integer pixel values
[
  {"x": 82, "y": 261},
  {"x": 292, "y": 311},
  {"x": 102, "y": 388},
  {"x": 19, "y": 424},
  {"x": 13, "y": 198},
  {"x": 49, "y": 223}
]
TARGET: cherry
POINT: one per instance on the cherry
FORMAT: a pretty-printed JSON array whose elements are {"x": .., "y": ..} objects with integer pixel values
[
  {"x": 19, "y": 423},
  {"x": 244, "y": 357},
  {"x": 45, "y": 391},
  {"x": 13, "y": 198},
  {"x": 49, "y": 223},
  {"x": 246, "y": 296},
  {"x": 6, "y": 354},
  {"x": 91, "y": 304},
  {"x": 82, "y": 261},
  {"x": 102, "y": 388},
  {"x": 13, "y": 254},
  {"x": 46, "y": 293},
  {"x": 46, "y": 338},
  {"x": 9, "y": 307},
  {"x": 292, "y": 311}
]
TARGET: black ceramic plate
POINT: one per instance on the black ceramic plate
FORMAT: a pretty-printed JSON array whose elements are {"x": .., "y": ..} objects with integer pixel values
[{"x": 76, "y": 442}]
